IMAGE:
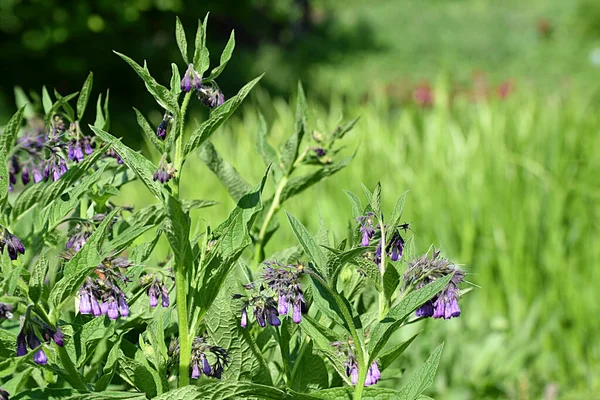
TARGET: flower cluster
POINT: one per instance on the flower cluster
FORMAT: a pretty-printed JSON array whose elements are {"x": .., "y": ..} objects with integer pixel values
[
  {"x": 206, "y": 359},
  {"x": 31, "y": 327},
  {"x": 5, "y": 311},
  {"x": 371, "y": 231},
  {"x": 155, "y": 288},
  {"x": 281, "y": 282},
  {"x": 210, "y": 95},
  {"x": 79, "y": 236},
  {"x": 42, "y": 151},
  {"x": 13, "y": 244},
  {"x": 161, "y": 131},
  {"x": 102, "y": 295},
  {"x": 164, "y": 172},
  {"x": 425, "y": 270},
  {"x": 351, "y": 364}
]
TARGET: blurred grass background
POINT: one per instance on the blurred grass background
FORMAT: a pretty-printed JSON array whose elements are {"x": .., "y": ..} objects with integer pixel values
[{"x": 487, "y": 112}]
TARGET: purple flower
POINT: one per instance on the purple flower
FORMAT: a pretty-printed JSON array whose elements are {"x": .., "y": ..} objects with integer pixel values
[
  {"x": 285, "y": 281},
  {"x": 366, "y": 227},
  {"x": 164, "y": 172},
  {"x": 161, "y": 131},
  {"x": 191, "y": 80},
  {"x": 282, "y": 304},
  {"x": 260, "y": 317},
  {"x": 96, "y": 308},
  {"x": 210, "y": 96},
  {"x": 195, "y": 371},
  {"x": 123, "y": 307},
  {"x": 205, "y": 365},
  {"x": 13, "y": 244},
  {"x": 199, "y": 360},
  {"x": 40, "y": 357},
  {"x": 21, "y": 345},
  {"x": 426, "y": 310},
  {"x": 320, "y": 152},
  {"x": 152, "y": 296},
  {"x": 58, "y": 337},
  {"x": 396, "y": 247},
  {"x": 113, "y": 310},
  {"x": 25, "y": 175},
  {"x": 154, "y": 289},
  {"x": 37, "y": 175},
  {"x": 165, "y": 296},
  {"x": 244, "y": 320},
  {"x": 272, "y": 317},
  {"x": 297, "y": 317},
  {"x": 446, "y": 305}
]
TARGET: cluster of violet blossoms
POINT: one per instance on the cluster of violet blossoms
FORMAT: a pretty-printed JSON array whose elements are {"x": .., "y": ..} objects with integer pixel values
[
  {"x": 5, "y": 311},
  {"x": 206, "y": 359},
  {"x": 31, "y": 327},
  {"x": 210, "y": 95},
  {"x": 351, "y": 364},
  {"x": 154, "y": 289},
  {"x": 13, "y": 244},
  {"x": 278, "y": 281},
  {"x": 102, "y": 295},
  {"x": 370, "y": 232},
  {"x": 425, "y": 270},
  {"x": 41, "y": 153}
]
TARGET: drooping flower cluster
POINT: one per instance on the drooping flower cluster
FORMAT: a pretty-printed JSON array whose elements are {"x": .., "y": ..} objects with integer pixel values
[
  {"x": 13, "y": 244},
  {"x": 425, "y": 270},
  {"x": 351, "y": 364},
  {"x": 31, "y": 327},
  {"x": 102, "y": 295},
  {"x": 164, "y": 172},
  {"x": 210, "y": 95},
  {"x": 42, "y": 151},
  {"x": 163, "y": 127},
  {"x": 371, "y": 232},
  {"x": 79, "y": 236},
  {"x": 278, "y": 282},
  {"x": 206, "y": 359},
  {"x": 367, "y": 227},
  {"x": 155, "y": 288},
  {"x": 5, "y": 311}
]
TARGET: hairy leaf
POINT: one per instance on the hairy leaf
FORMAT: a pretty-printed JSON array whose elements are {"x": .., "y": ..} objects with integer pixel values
[
  {"x": 227, "y": 174},
  {"x": 201, "y": 53},
  {"x": 388, "y": 357},
  {"x": 307, "y": 241},
  {"x": 225, "y": 57},
  {"x": 289, "y": 153},
  {"x": 422, "y": 378},
  {"x": 84, "y": 95},
  {"x": 149, "y": 133},
  {"x": 181, "y": 40},
  {"x": 9, "y": 134}
]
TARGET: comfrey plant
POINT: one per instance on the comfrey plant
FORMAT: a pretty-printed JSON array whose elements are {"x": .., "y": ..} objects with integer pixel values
[{"x": 84, "y": 313}]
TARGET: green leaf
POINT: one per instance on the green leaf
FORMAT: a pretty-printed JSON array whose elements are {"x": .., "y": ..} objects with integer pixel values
[
  {"x": 137, "y": 374},
  {"x": 335, "y": 264},
  {"x": 357, "y": 208},
  {"x": 201, "y": 54},
  {"x": 142, "y": 221},
  {"x": 188, "y": 205},
  {"x": 311, "y": 373},
  {"x": 106, "y": 113},
  {"x": 36, "y": 282},
  {"x": 177, "y": 229},
  {"x": 299, "y": 184},
  {"x": 81, "y": 265},
  {"x": 227, "y": 174},
  {"x": 175, "y": 80},
  {"x": 225, "y": 57},
  {"x": 376, "y": 201},
  {"x": 86, "y": 338},
  {"x": 309, "y": 245},
  {"x": 289, "y": 153},
  {"x": 149, "y": 133},
  {"x": 84, "y": 95},
  {"x": 8, "y": 136},
  {"x": 391, "y": 279},
  {"x": 388, "y": 357},
  {"x": 398, "y": 314},
  {"x": 8, "y": 344},
  {"x": 64, "y": 103},
  {"x": 3, "y": 179},
  {"x": 225, "y": 390},
  {"x": 110, "y": 367},
  {"x": 46, "y": 100},
  {"x": 71, "y": 394},
  {"x": 341, "y": 130},
  {"x": 397, "y": 213},
  {"x": 181, "y": 40},
  {"x": 263, "y": 148},
  {"x": 100, "y": 120},
  {"x": 422, "y": 378},
  {"x": 161, "y": 94},
  {"x": 139, "y": 164},
  {"x": 369, "y": 393},
  {"x": 217, "y": 117},
  {"x": 22, "y": 101}
]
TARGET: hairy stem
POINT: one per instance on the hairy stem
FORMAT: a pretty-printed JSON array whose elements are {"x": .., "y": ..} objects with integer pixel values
[
  {"x": 180, "y": 276},
  {"x": 260, "y": 245},
  {"x": 382, "y": 299}
]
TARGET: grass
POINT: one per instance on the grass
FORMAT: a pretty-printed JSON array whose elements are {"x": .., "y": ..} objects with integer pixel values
[{"x": 508, "y": 189}]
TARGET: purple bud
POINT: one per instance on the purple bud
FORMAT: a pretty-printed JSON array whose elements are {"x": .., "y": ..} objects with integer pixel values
[
  {"x": 161, "y": 131},
  {"x": 78, "y": 153},
  {"x": 273, "y": 319},
  {"x": 113, "y": 310},
  {"x": 426, "y": 310},
  {"x": 365, "y": 239},
  {"x": 152, "y": 296},
  {"x": 37, "y": 175},
  {"x": 282, "y": 304},
  {"x": 165, "y": 296},
  {"x": 123, "y": 307},
  {"x": 25, "y": 175},
  {"x": 195, "y": 371},
  {"x": 375, "y": 373},
  {"x": 354, "y": 375},
  {"x": 187, "y": 81},
  {"x": 85, "y": 306},
  {"x": 205, "y": 366},
  {"x": 244, "y": 320},
  {"x": 96, "y": 308},
  {"x": 297, "y": 317},
  {"x": 87, "y": 146},
  {"x": 58, "y": 337},
  {"x": 21, "y": 345},
  {"x": 260, "y": 317},
  {"x": 438, "y": 311},
  {"x": 32, "y": 340},
  {"x": 40, "y": 357}
]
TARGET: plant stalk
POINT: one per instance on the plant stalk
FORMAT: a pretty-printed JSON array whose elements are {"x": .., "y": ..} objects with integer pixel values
[
  {"x": 382, "y": 299},
  {"x": 259, "y": 247}
]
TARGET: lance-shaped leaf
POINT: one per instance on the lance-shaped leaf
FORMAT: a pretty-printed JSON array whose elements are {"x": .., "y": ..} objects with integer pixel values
[
  {"x": 181, "y": 40},
  {"x": 9, "y": 134},
  {"x": 289, "y": 153},
  {"x": 3, "y": 179},
  {"x": 149, "y": 133},
  {"x": 175, "y": 80},
  {"x": 398, "y": 314},
  {"x": 229, "y": 390},
  {"x": 369, "y": 393},
  {"x": 64, "y": 103},
  {"x": 84, "y": 95},
  {"x": 341, "y": 258},
  {"x": 310, "y": 246},
  {"x": 177, "y": 229},
  {"x": 46, "y": 100},
  {"x": 139, "y": 164},
  {"x": 21, "y": 100},
  {"x": 341, "y": 130},
  {"x": 163, "y": 96},
  {"x": 396, "y": 214},
  {"x": 264, "y": 149},
  {"x": 38, "y": 275},
  {"x": 376, "y": 201},
  {"x": 357, "y": 208},
  {"x": 389, "y": 356},
  {"x": 100, "y": 119},
  {"x": 217, "y": 117},
  {"x": 299, "y": 184},
  {"x": 142, "y": 221},
  {"x": 227, "y": 174},
  {"x": 225, "y": 57},
  {"x": 81, "y": 265},
  {"x": 201, "y": 53},
  {"x": 230, "y": 239},
  {"x": 423, "y": 377}
]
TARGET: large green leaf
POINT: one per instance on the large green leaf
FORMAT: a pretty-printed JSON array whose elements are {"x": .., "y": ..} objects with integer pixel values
[
  {"x": 369, "y": 393},
  {"x": 423, "y": 377},
  {"x": 289, "y": 153},
  {"x": 389, "y": 356},
  {"x": 163, "y": 96},
  {"x": 71, "y": 394},
  {"x": 217, "y": 117},
  {"x": 177, "y": 230},
  {"x": 223, "y": 390},
  {"x": 9, "y": 134},
  {"x": 139, "y": 164},
  {"x": 227, "y": 174},
  {"x": 36, "y": 281},
  {"x": 181, "y": 40},
  {"x": 201, "y": 53},
  {"x": 84, "y": 95},
  {"x": 310, "y": 246},
  {"x": 148, "y": 132},
  {"x": 225, "y": 57}
]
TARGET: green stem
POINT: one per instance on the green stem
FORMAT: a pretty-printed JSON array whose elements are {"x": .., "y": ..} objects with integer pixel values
[
  {"x": 259, "y": 247},
  {"x": 185, "y": 350},
  {"x": 382, "y": 299}
]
